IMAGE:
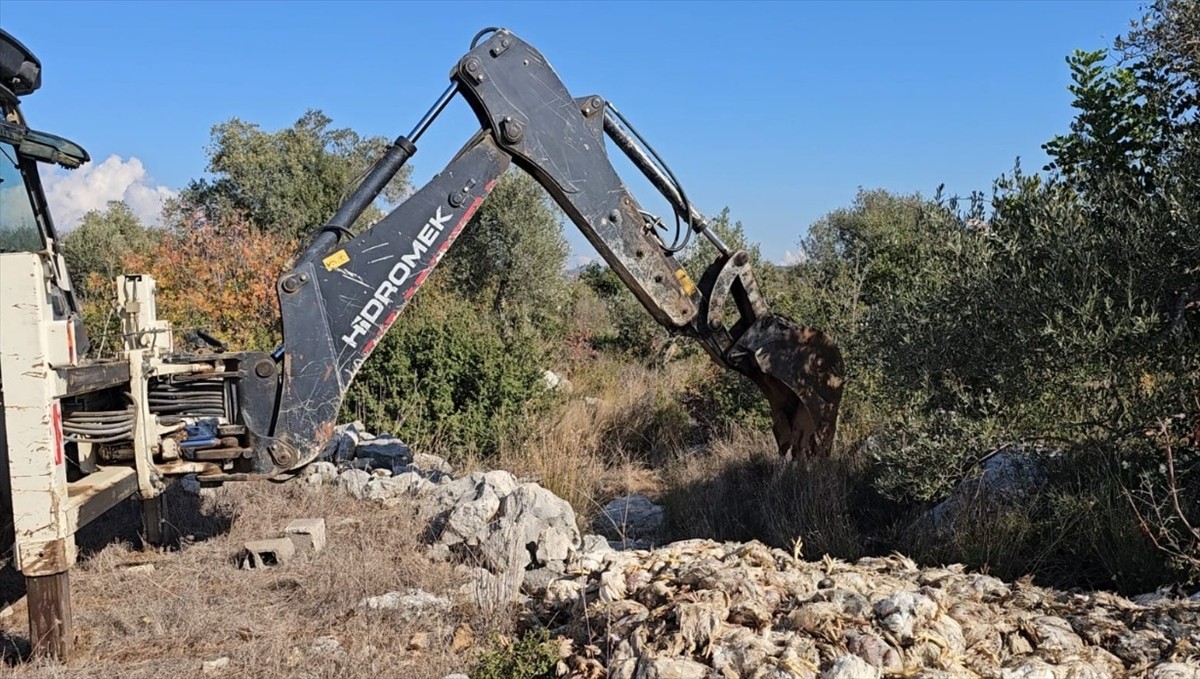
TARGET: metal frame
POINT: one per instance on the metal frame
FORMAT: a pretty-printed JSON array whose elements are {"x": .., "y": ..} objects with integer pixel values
[{"x": 48, "y": 502}]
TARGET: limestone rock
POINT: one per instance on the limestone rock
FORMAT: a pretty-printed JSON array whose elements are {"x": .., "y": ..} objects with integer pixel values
[
  {"x": 633, "y": 517},
  {"x": 412, "y": 603},
  {"x": 354, "y": 482},
  {"x": 424, "y": 462}
]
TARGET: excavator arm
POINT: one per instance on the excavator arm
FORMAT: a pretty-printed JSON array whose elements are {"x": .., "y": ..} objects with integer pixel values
[{"x": 346, "y": 290}]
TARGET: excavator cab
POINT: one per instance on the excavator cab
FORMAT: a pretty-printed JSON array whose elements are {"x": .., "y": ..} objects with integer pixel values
[{"x": 25, "y": 221}]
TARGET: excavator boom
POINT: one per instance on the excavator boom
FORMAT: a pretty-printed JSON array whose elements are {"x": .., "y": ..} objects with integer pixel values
[{"x": 346, "y": 291}]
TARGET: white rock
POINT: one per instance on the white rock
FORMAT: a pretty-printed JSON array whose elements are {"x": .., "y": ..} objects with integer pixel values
[
  {"x": 1003, "y": 479},
  {"x": 412, "y": 601},
  {"x": 411, "y": 482},
  {"x": 385, "y": 488},
  {"x": 531, "y": 515},
  {"x": 470, "y": 515},
  {"x": 431, "y": 463},
  {"x": 354, "y": 482},
  {"x": 214, "y": 666},
  {"x": 592, "y": 552},
  {"x": 633, "y": 517},
  {"x": 327, "y": 472}
]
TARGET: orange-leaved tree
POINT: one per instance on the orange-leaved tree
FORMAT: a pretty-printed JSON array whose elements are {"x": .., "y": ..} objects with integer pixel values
[{"x": 219, "y": 276}]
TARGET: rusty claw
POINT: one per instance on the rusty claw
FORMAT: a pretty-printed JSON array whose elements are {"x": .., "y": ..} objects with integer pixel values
[{"x": 799, "y": 369}]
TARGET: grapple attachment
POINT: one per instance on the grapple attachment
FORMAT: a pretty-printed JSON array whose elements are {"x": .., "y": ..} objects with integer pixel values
[{"x": 799, "y": 369}]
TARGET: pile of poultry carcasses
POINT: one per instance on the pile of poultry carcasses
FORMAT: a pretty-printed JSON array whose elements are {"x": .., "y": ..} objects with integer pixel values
[{"x": 699, "y": 609}]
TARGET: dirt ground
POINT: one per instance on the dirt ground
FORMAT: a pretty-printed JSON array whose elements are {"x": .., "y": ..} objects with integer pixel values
[{"x": 198, "y": 606}]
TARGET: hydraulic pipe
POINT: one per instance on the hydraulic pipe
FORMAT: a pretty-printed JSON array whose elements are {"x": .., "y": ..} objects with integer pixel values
[
  {"x": 383, "y": 171},
  {"x": 650, "y": 169}
]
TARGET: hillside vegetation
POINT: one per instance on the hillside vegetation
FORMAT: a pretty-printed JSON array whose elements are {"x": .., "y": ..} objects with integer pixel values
[{"x": 1054, "y": 318}]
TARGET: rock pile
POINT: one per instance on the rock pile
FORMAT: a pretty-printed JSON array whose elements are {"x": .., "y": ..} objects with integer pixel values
[
  {"x": 502, "y": 530},
  {"x": 699, "y": 609}
]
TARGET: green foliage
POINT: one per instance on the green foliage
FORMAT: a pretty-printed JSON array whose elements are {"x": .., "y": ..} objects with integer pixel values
[
  {"x": 720, "y": 399},
  {"x": 922, "y": 456},
  {"x": 862, "y": 269},
  {"x": 290, "y": 181},
  {"x": 444, "y": 376},
  {"x": 1066, "y": 318},
  {"x": 533, "y": 656},
  {"x": 219, "y": 277},
  {"x": 100, "y": 243},
  {"x": 700, "y": 252},
  {"x": 634, "y": 331},
  {"x": 464, "y": 360},
  {"x": 463, "y": 364},
  {"x": 511, "y": 256},
  {"x": 96, "y": 251}
]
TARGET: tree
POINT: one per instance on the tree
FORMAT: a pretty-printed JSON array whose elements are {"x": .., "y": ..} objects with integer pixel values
[
  {"x": 102, "y": 241},
  {"x": 1065, "y": 318},
  {"x": 220, "y": 277},
  {"x": 95, "y": 252},
  {"x": 290, "y": 181},
  {"x": 511, "y": 256},
  {"x": 700, "y": 252}
]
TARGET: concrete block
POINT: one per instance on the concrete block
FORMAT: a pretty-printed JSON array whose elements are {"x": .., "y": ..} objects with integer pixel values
[
  {"x": 266, "y": 553},
  {"x": 308, "y": 535}
]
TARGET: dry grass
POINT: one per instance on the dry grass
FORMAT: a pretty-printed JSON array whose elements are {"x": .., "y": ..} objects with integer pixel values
[
  {"x": 197, "y": 605},
  {"x": 739, "y": 489},
  {"x": 609, "y": 439},
  {"x": 625, "y": 430}
]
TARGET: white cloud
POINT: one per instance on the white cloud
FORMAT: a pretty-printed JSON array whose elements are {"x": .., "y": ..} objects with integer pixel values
[
  {"x": 74, "y": 193},
  {"x": 791, "y": 257},
  {"x": 577, "y": 260}
]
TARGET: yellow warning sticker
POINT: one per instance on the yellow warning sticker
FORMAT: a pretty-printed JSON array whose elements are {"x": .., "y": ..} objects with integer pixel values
[
  {"x": 335, "y": 260},
  {"x": 688, "y": 286}
]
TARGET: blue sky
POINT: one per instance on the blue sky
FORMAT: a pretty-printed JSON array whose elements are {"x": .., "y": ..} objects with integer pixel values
[{"x": 778, "y": 110}]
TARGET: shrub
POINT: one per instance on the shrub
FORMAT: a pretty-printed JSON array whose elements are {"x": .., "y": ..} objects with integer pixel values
[
  {"x": 532, "y": 656},
  {"x": 444, "y": 377}
]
